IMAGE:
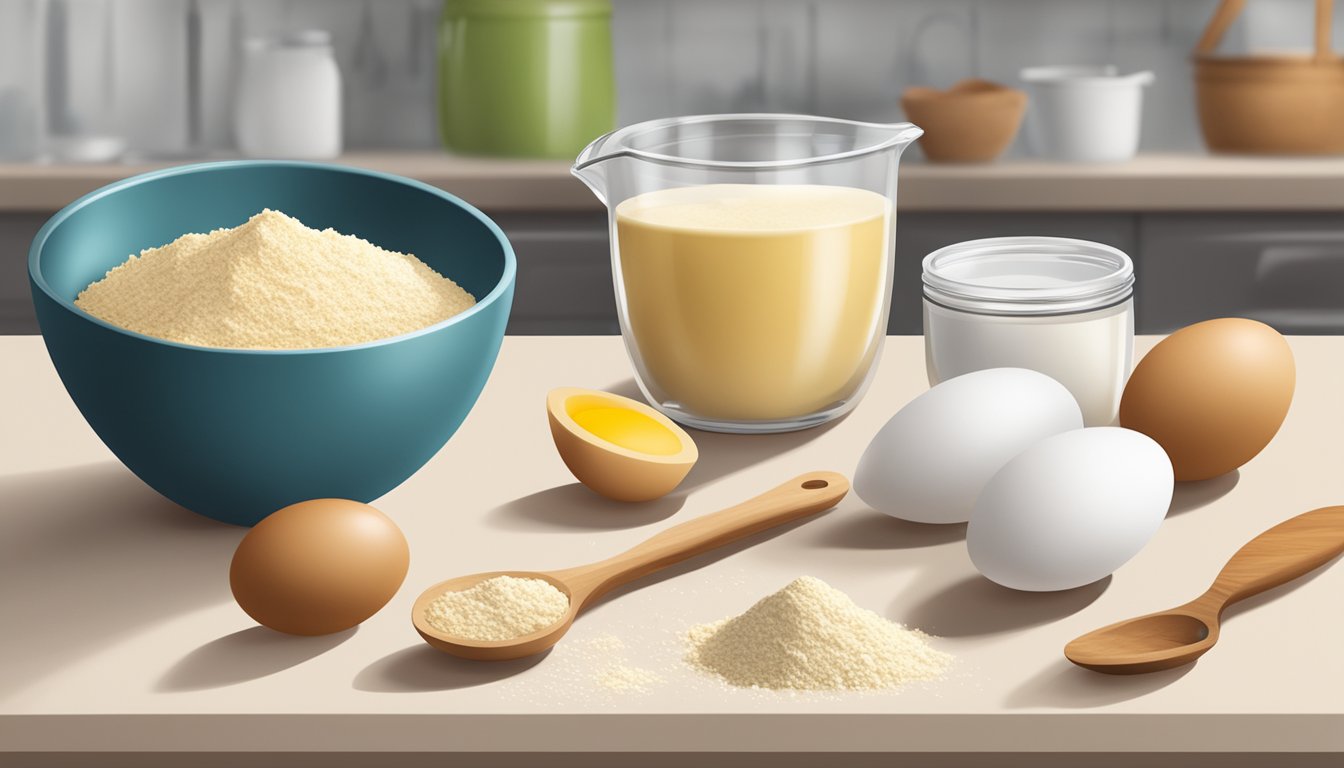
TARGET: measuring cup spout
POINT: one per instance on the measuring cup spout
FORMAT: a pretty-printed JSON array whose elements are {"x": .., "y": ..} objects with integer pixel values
[
  {"x": 904, "y": 134},
  {"x": 590, "y": 166},
  {"x": 751, "y": 149}
]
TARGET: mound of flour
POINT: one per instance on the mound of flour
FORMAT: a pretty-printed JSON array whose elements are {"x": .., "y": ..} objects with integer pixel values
[
  {"x": 272, "y": 283},
  {"x": 810, "y": 636}
]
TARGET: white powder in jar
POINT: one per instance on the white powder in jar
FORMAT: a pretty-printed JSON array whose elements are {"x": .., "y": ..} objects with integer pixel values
[
  {"x": 810, "y": 636},
  {"x": 1059, "y": 306},
  {"x": 1090, "y": 353},
  {"x": 272, "y": 283},
  {"x": 498, "y": 608}
]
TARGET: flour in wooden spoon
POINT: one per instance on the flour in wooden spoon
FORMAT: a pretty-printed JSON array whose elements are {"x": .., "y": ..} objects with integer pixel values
[{"x": 499, "y": 608}]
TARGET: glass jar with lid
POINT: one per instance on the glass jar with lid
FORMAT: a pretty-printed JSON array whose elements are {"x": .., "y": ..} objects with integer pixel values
[
  {"x": 289, "y": 97},
  {"x": 1059, "y": 306}
]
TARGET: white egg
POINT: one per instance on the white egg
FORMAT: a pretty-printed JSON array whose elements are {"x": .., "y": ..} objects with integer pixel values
[
  {"x": 928, "y": 463},
  {"x": 1071, "y": 509}
]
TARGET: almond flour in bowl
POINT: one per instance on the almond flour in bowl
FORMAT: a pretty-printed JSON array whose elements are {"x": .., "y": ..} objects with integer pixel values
[{"x": 272, "y": 283}]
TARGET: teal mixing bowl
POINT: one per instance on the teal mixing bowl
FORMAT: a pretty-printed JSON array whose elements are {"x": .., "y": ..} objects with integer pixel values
[{"x": 237, "y": 434}]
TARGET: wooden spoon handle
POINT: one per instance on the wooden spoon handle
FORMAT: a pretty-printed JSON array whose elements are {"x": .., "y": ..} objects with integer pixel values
[
  {"x": 1222, "y": 19},
  {"x": 1324, "y": 25},
  {"x": 1290, "y": 549},
  {"x": 802, "y": 496}
]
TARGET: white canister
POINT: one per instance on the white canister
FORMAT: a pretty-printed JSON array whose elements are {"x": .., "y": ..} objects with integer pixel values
[
  {"x": 1059, "y": 306},
  {"x": 289, "y": 97},
  {"x": 1084, "y": 114}
]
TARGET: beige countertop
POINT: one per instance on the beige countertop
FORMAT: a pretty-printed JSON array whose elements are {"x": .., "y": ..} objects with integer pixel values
[
  {"x": 1147, "y": 183},
  {"x": 120, "y": 635}
]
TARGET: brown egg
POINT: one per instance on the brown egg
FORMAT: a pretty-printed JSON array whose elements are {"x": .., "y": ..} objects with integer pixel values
[
  {"x": 319, "y": 566},
  {"x": 1212, "y": 394}
]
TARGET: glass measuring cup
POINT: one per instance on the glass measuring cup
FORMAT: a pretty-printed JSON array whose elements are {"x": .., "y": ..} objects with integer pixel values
[{"x": 752, "y": 257}]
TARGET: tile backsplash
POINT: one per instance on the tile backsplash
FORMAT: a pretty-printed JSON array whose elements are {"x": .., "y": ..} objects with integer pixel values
[
  {"x": 853, "y": 58},
  {"x": 848, "y": 58}
]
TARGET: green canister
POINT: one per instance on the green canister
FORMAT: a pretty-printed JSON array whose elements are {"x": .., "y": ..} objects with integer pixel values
[{"x": 528, "y": 78}]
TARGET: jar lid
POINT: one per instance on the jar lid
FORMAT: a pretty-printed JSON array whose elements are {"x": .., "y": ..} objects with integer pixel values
[
  {"x": 537, "y": 9},
  {"x": 1028, "y": 276}
]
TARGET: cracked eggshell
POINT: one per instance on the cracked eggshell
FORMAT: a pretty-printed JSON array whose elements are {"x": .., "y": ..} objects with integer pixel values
[
  {"x": 618, "y": 447},
  {"x": 1071, "y": 509},
  {"x": 929, "y": 462}
]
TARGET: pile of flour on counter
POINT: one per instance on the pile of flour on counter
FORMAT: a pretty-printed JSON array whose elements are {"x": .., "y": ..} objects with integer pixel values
[{"x": 810, "y": 636}]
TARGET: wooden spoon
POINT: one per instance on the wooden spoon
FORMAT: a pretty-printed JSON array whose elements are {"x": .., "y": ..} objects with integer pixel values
[
  {"x": 800, "y": 497},
  {"x": 1171, "y": 638}
]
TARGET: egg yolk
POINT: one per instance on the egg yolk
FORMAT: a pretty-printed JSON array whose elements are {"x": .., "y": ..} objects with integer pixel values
[{"x": 628, "y": 429}]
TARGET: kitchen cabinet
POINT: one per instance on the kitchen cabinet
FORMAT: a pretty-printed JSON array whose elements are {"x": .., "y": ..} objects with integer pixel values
[
  {"x": 16, "y": 302},
  {"x": 1210, "y": 235},
  {"x": 1286, "y": 270},
  {"x": 564, "y": 273}
]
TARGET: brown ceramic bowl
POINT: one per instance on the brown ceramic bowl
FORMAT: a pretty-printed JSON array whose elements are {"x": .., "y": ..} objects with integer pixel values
[
  {"x": 974, "y": 121},
  {"x": 1271, "y": 105}
]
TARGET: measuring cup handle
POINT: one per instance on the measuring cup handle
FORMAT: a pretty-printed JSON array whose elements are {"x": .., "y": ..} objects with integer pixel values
[{"x": 802, "y": 496}]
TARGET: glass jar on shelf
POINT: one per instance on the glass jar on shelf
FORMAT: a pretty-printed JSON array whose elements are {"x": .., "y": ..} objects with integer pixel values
[{"x": 289, "y": 97}]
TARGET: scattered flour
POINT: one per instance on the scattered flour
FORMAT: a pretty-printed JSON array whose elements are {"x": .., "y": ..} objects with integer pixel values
[
  {"x": 810, "y": 636},
  {"x": 273, "y": 283},
  {"x": 499, "y": 608},
  {"x": 622, "y": 678},
  {"x": 607, "y": 644}
]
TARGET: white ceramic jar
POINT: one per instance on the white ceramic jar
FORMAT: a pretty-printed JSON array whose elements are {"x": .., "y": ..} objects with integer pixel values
[
  {"x": 1059, "y": 306},
  {"x": 1084, "y": 114},
  {"x": 289, "y": 97}
]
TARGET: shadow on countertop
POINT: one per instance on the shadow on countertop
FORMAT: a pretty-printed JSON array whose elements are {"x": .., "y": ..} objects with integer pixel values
[
  {"x": 88, "y": 555},
  {"x": 723, "y": 454},
  {"x": 1190, "y": 496},
  {"x": 869, "y": 529},
  {"x": 705, "y": 558},
  {"x": 248, "y": 654},
  {"x": 1062, "y": 684},
  {"x": 419, "y": 669},
  {"x": 977, "y": 606},
  {"x": 574, "y": 507}
]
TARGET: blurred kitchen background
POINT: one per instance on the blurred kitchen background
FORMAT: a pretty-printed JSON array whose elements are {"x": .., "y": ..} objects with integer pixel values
[{"x": 94, "y": 90}]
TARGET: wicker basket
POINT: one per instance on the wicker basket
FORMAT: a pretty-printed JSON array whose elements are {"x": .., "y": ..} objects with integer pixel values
[{"x": 1270, "y": 104}]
